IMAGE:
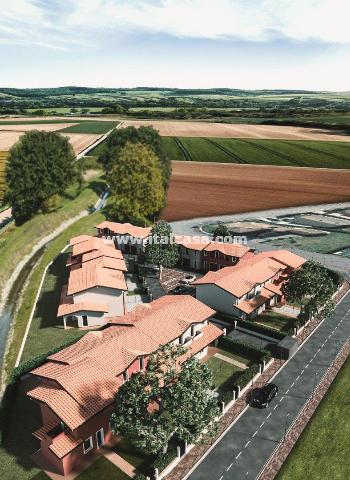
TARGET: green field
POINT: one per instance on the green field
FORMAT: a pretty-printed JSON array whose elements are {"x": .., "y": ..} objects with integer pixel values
[
  {"x": 92, "y": 127},
  {"x": 322, "y": 451},
  {"x": 300, "y": 153}
]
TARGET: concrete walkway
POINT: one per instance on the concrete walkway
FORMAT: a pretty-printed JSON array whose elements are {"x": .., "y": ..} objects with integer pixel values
[
  {"x": 230, "y": 360},
  {"x": 119, "y": 462}
]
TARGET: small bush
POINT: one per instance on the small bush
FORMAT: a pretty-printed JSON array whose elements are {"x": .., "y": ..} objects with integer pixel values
[
  {"x": 270, "y": 332},
  {"x": 140, "y": 476},
  {"x": 163, "y": 460}
]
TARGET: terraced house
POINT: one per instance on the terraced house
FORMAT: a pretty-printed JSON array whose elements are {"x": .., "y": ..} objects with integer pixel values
[
  {"x": 208, "y": 255},
  {"x": 96, "y": 283},
  {"x": 128, "y": 238},
  {"x": 75, "y": 387},
  {"x": 248, "y": 288}
]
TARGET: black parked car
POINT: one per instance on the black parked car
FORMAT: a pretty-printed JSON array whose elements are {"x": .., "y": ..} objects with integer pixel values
[
  {"x": 183, "y": 290},
  {"x": 264, "y": 395}
]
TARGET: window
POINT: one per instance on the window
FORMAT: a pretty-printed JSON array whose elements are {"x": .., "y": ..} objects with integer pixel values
[
  {"x": 125, "y": 375},
  {"x": 193, "y": 330},
  {"x": 142, "y": 363},
  {"x": 88, "y": 445},
  {"x": 100, "y": 437}
]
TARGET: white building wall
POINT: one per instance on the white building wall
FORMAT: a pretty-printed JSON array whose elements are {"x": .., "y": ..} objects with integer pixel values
[
  {"x": 218, "y": 299},
  {"x": 108, "y": 296}
]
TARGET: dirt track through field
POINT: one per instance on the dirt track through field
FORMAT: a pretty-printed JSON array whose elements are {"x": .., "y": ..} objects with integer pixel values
[
  {"x": 226, "y": 130},
  {"x": 203, "y": 189}
]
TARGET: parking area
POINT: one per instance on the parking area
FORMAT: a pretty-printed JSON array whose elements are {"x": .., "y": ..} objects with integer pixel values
[{"x": 174, "y": 277}]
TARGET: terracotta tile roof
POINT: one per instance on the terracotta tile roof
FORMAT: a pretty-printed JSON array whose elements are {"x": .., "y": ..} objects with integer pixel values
[
  {"x": 104, "y": 251},
  {"x": 79, "y": 239},
  {"x": 60, "y": 402},
  {"x": 230, "y": 249},
  {"x": 125, "y": 229},
  {"x": 68, "y": 308},
  {"x": 274, "y": 288},
  {"x": 240, "y": 279},
  {"x": 87, "y": 372},
  {"x": 249, "y": 306},
  {"x": 194, "y": 244},
  {"x": 210, "y": 333},
  {"x": 43, "y": 430},
  {"x": 285, "y": 257},
  {"x": 64, "y": 443},
  {"x": 106, "y": 262},
  {"x": 95, "y": 276},
  {"x": 93, "y": 243},
  {"x": 131, "y": 317}
]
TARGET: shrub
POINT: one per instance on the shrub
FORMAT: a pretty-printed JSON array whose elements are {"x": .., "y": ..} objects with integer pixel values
[
  {"x": 140, "y": 476},
  {"x": 163, "y": 460},
  {"x": 245, "y": 349},
  {"x": 270, "y": 332}
]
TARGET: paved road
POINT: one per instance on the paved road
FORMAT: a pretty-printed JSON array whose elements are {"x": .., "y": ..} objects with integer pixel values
[{"x": 245, "y": 448}]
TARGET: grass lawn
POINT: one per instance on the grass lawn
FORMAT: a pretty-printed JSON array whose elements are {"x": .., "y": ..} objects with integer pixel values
[
  {"x": 234, "y": 356},
  {"x": 141, "y": 461},
  {"x": 44, "y": 333},
  {"x": 323, "y": 244},
  {"x": 45, "y": 325},
  {"x": 273, "y": 320},
  {"x": 17, "y": 242},
  {"x": 222, "y": 371},
  {"x": 322, "y": 451},
  {"x": 102, "y": 469}
]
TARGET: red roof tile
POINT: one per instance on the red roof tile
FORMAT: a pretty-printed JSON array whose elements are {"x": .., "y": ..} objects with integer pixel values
[
  {"x": 240, "y": 279},
  {"x": 95, "y": 276},
  {"x": 87, "y": 372},
  {"x": 68, "y": 308},
  {"x": 64, "y": 443},
  {"x": 285, "y": 257},
  {"x": 125, "y": 229}
]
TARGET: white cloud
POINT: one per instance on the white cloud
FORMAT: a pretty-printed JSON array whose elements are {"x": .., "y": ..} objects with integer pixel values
[
  {"x": 56, "y": 24},
  {"x": 324, "y": 20}
]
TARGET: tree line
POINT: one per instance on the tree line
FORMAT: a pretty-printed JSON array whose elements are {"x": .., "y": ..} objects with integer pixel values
[{"x": 41, "y": 165}]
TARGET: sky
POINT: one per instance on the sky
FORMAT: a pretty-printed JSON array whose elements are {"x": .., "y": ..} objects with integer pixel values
[{"x": 248, "y": 44}]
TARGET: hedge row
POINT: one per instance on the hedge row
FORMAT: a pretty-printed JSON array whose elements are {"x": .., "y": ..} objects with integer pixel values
[
  {"x": 163, "y": 460},
  {"x": 8, "y": 398},
  {"x": 246, "y": 349},
  {"x": 270, "y": 332}
]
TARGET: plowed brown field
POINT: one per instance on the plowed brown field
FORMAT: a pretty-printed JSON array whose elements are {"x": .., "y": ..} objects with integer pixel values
[
  {"x": 47, "y": 127},
  {"x": 204, "y": 189},
  {"x": 170, "y": 128}
]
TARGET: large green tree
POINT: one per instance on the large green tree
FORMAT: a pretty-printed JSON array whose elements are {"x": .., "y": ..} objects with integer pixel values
[
  {"x": 136, "y": 187},
  {"x": 312, "y": 283},
  {"x": 40, "y": 165},
  {"x": 164, "y": 399},
  {"x": 221, "y": 231},
  {"x": 145, "y": 135},
  {"x": 161, "y": 248}
]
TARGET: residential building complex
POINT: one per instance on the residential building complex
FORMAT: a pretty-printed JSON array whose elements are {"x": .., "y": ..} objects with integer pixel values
[
  {"x": 247, "y": 289},
  {"x": 128, "y": 238},
  {"x": 96, "y": 283},
  {"x": 75, "y": 387},
  {"x": 208, "y": 255}
]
